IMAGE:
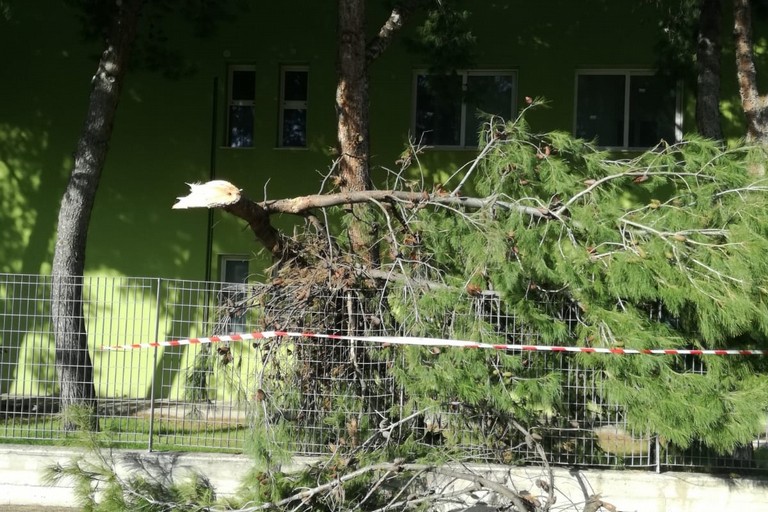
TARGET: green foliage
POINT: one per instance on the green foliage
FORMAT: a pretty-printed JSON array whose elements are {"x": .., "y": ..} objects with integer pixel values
[
  {"x": 6, "y": 11},
  {"x": 155, "y": 49},
  {"x": 445, "y": 39},
  {"x": 105, "y": 481},
  {"x": 664, "y": 250},
  {"x": 678, "y": 31}
]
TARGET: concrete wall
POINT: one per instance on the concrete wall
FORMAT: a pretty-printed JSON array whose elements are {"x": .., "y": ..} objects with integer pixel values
[{"x": 21, "y": 468}]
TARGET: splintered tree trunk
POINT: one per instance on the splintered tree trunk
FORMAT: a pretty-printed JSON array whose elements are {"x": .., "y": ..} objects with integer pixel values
[
  {"x": 755, "y": 106},
  {"x": 708, "y": 66},
  {"x": 352, "y": 115},
  {"x": 73, "y": 363}
]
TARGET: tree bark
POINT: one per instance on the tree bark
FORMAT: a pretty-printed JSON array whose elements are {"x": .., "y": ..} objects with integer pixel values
[
  {"x": 73, "y": 362},
  {"x": 708, "y": 54},
  {"x": 755, "y": 106},
  {"x": 387, "y": 32},
  {"x": 352, "y": 116}
]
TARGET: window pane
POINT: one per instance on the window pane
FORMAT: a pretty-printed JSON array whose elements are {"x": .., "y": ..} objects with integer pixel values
[
  {"x": 438, "y": 109},
  {"x": 243, "y": 85},
  {"x": 600, "y": 109},
  {"x": 294, "y": 127},
  {"x": 235, "y": 271},
  {"x": 295, "y": 86},
  {"x": 240, "y": 127},
  {"x": 651, "y": 111},
  {"x": 486, "y": 95}
]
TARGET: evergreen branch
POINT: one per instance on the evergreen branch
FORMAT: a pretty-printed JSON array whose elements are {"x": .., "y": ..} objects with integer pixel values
[
  {"x": 593, "y": 184},
  {"x": 391, "y": 275},
  {"x": 407, "y": 486},
  {"x": 493, "y": 142},
  {"x": 391, "y": 467},
  {"x": 481, "y": 481},
  {"x": 665, "y": 235},
  {"x": 753, "y": 187},
  {"x": 684, "y": 233},
  {"x": 549, "y": 486},
  {"x": 720, "y": 275},
  {"x": 459, "y": 496},
  {"x": 486, "y": 149},
  {"x": 373, "y": 489}
]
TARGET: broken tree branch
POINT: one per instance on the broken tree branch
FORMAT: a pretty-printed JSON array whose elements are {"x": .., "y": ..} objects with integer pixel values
[
  {"x": 224, "y": 195},
  {"x": 392, "y": 468},
  {"x": 300, "y": 204}
]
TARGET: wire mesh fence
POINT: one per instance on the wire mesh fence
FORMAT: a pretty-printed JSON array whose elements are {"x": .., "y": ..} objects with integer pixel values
[{"x": 307, "y": 395}]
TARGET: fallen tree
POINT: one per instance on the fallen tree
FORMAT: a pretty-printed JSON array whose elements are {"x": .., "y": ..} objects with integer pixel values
[{"x": 665, "y": 250}]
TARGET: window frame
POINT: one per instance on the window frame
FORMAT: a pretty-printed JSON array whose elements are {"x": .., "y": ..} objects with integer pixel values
[
  {"x": 627, "y": 73},
  {"x": 231, "y": 69},
  {"x": 226, "y": 258},
  {"x": 284, "y": 105},
  {"x": 465, "y": 74}
]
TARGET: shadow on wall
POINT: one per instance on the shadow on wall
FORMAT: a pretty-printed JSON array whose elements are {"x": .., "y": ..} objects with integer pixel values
[{"x": 31, "y": 178}]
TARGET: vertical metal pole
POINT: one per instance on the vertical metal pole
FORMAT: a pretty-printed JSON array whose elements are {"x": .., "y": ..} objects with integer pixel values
[
  {"x": 154, "y": 372},
  {"x": 658, "y": 455},
  {"x": 211, "y": 176},
  {"x": 209, "y": 225}
]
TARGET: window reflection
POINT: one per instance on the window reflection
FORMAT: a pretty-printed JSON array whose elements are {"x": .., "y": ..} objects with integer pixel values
[
  {"x": 450, "y": 109},
  {"x": 241, "y": 98},
  {"x": 625, "y": 109},
  {"x": 293, "y": 106},
  {"x": 240, "y": 127}
]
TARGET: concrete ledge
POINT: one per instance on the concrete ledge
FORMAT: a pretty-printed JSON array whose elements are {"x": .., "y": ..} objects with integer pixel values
[{"x": 21, "y": 469}]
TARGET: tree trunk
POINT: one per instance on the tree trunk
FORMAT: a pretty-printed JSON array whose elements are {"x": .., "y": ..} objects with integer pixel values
[
  {"x": 755, "y": 106},
  {"x": 708, "y": 56},
  {"x": 352, "y": 116},
  {"x": 73, "y": 363}
]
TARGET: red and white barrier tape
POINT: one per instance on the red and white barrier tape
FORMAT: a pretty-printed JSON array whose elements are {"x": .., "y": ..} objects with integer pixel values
[{"x": 437, "y": 342}]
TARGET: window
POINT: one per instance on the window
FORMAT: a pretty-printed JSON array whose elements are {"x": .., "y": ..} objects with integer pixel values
[
  {"x": 293, "y": 107},
  {"x": 240, "y": 100},
  {"x": 626, "y": 109},
  {"x": 234, "y": 272},
  {"x": 449, "y": 107}
]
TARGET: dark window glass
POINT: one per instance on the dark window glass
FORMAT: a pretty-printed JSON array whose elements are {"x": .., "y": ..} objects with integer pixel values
[
  {"x": 235, "y": 271},
  {"x": 243, "y": 85},
  {"x": 600, "y": 109},
  {"x": 651, "y": 110},
  {"x": 295, "y": 86},
  {"x": 293, "y": 110},
  {"x": 438, "y": 109}
]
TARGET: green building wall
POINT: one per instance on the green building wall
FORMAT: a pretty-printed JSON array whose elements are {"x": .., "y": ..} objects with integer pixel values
[
  {"x": 164, "y": 128},
  {"x": 170, "y": 132}
]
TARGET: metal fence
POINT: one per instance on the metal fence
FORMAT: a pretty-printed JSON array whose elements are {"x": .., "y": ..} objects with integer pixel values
[{"x": 307, "y": 396}]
